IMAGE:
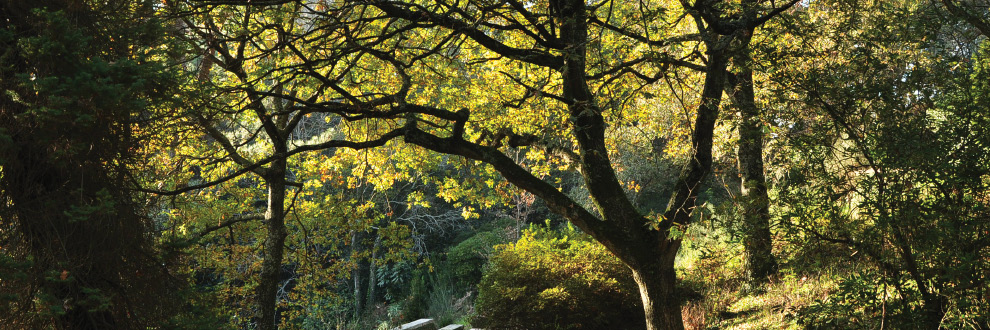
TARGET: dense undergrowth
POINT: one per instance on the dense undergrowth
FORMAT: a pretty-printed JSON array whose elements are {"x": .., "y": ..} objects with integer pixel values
[{"x": 559, "y": 278}]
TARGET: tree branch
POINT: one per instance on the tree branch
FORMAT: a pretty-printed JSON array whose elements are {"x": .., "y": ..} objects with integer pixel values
[{"x": 557, "y": 201}]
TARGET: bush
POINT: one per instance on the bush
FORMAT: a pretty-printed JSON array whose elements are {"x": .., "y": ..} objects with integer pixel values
[
  {"x": 416, "y": 305},
  {"x": 550, "y": 280},
  {"x": 467, "y": 259}
]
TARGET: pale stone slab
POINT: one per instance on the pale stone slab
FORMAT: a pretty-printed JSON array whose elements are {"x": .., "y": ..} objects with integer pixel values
[
  {"x": 421, "y": 324},
  {"x": 453, "y": 327}
]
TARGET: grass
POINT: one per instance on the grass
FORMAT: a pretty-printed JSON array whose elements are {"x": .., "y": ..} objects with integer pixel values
[
  {"x": 716, "y": 272},
  {"x": 774, "y": 306},
  {"x": 446, "y": 303}
]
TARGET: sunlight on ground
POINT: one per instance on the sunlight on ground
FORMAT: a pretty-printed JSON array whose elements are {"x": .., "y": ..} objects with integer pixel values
[
  {"x": 725, "y": 301},
  {"x": 775, "y": 308}
]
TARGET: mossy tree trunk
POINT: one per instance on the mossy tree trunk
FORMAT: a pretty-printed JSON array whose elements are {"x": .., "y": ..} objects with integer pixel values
[{"x": 754, "y": 203}]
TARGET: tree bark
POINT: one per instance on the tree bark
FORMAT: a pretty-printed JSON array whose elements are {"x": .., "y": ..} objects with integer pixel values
[
  {"x": 655, "y": 275},
  {"x": 373, "y": 275},
  {"x": 358, "y": 272},
  {"x": 271, "y": 266},
  {"x": 656, "y": 278},
  {"x": 753, "y": 199},
  {"x": 638, "y": 245}
]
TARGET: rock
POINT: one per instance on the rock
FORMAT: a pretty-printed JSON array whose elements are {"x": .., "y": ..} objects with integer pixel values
[{"x": 421, "y": 324}]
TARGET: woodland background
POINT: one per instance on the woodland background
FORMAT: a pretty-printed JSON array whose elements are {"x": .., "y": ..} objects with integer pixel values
[{"x": 508, "y": 164}]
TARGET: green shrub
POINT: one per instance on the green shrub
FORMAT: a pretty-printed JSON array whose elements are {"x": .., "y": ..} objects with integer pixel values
[
  {"x": 852, "y": 306},
  {"x": 415, "y": 306},
  {"x": 551, "y": 280},
  {"x": 861, "y": 303},
  {"x": 467, "y": 258}
]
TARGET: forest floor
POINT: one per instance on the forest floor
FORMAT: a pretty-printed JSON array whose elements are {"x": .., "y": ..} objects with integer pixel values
[
  {"x": 774, "y": 307},
  {"x": 719, "y": 298}
]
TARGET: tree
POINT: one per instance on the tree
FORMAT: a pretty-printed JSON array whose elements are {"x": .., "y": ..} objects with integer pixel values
[
  {"x": 895, "y": 150},
  {"x": 252, "y": 109},
  {"x": 550, "y": 40},
  {"x": 754, "y": 200},
  {"x": 647, "y": 245},
  {"x": 76, "y": 77}
]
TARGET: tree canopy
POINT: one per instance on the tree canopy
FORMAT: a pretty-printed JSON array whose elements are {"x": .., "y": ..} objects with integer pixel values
[{"x": 320, "y": 164}]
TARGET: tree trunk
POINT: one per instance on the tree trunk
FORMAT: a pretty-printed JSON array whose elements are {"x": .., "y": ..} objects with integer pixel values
[
  {"x": 657, "y": 279},
  {"x": 372, "y": 275},
  {"x": 357, "y": 274},
  {"x": 271, "y": 266},
  {"x": 754, "y": 202},
  {"x": 655, "y": 275}
]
